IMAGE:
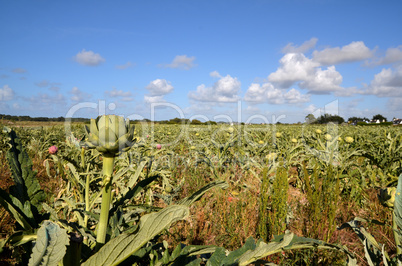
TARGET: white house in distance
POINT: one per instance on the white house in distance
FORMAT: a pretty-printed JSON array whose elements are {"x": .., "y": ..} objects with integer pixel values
[{"x": 397, "y": 121}]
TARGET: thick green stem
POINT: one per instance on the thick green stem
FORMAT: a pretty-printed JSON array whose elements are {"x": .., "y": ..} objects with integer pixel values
[
  {"x": 87, "y": 203},
  {"x": 108, "y": 163},
  {"x": 395, "y": 229},
  {"x": 83, "y": 158}
]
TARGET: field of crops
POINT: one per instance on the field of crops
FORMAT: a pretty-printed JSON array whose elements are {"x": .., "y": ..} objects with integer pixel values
[{"x": 190, "y": 195}]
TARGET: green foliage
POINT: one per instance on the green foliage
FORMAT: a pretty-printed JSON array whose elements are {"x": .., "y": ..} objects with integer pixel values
[
  {"x": 279, "y": 208},
  {"x": 379, "y": 117},
  {"x": 251, "y": 252},
  {"x": 50, "y": 245},
  {"x": 384, "y": 149},
  {"x": 323, "y": 193},
  {"x": 26, "y": 186},
  {"x": 24, "y": 200},
  {"x": 375, "y": 253},
  {"x": 263, "y": 223},
  {"x": 321, "y": 164},
  {"x": 122, "y": 247},
  {"x": 327, "y": 118}
]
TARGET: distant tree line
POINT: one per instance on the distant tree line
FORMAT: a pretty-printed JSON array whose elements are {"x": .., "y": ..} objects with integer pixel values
[
  {"x": 176, "y": 120},
  {"x": 324, "y": 119},
  {"x": 87, "y": 120},
  {"x": 327, "y": 118},
  {"x": 40, "y": 119}
]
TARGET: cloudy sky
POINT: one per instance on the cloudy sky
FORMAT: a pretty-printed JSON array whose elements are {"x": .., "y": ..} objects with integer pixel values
[{"x": 219, "y": 60}]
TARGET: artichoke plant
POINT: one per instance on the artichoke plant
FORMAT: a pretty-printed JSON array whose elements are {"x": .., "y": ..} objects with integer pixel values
[{"x": 110, "y": 135}]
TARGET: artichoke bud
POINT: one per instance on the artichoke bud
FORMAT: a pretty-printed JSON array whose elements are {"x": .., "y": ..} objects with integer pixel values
[
  {"x": 93, "y": 126},
  {"x": 110, "y": 134},
  {"x": 387, "y": 196}
]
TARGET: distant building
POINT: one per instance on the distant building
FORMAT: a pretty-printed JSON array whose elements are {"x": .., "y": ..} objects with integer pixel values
[{"x": 397, "y": 121}]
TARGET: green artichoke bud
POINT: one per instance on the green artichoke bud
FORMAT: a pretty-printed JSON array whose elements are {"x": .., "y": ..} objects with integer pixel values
[
  {"x": 387, "y": 196},
  {"x": 110, "y": 135}
]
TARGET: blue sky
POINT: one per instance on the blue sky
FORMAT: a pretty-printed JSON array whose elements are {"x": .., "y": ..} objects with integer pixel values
[{"x": 234, "y": 60}]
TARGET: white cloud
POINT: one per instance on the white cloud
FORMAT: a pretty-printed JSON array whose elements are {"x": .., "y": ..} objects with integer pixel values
[
  {"x": 226, "y": 89},
  {"x": 293, "y": 67},
  {"x": 257, "y": 93},
  {"x": 215, "y": 74},
  {"x": 157, "y": 90},
  {"x": 77, "y": 95},
  {"x": 323, "y": 81},
  {"x": 159, "y": 87},
  {"x": 392, "y": 55},
  {"x": 297, "y": 68},
  {"x": 387, "y": 83},
  {"x": 154, "y": 99},
  {"x": 6, "y": 93},
  {"x": 310, "y": 109},
  {"x": 125, "y": 95},
  {"x": 124, "y": 66},
  {"x": 294, "y": 96},
  {"x": 252, "y": 109},
  {"x": 88, "y": 58},
  {"x": 307, "y": 45},
  {"x": 268, "y": 93},
  {"x": 181, "y": 62},
  {"x": 355, "y": 51}
]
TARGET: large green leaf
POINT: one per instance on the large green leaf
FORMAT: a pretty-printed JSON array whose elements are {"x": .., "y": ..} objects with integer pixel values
[
  {"x": 373, "y": 251},
  {"x": 287, "y": 241},
  {"x": 25, "y": 196},
  {"x": 198, "y": 194},
  {"x": 50, "y": 245},
  {"x": 27, "y": 187},
  {"x": 120, "y": 248},
  {"x": 263, "y": 249},
  {"x": 236, "y": 254},
  {"x": 15, "y": 208},
  {"x": 398, "y": 203}
]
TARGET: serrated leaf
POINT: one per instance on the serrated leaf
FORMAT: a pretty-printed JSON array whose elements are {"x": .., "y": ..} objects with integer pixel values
[
  {"x": 50, "y": 246},
  {"x": 27, "y": 187},
  {"x": 120, "y": 248}
]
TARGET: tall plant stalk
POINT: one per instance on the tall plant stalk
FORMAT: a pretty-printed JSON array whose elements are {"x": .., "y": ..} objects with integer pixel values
[
  {"x": 108, "y": 164},
  {"x": 395, "y": 229}
]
